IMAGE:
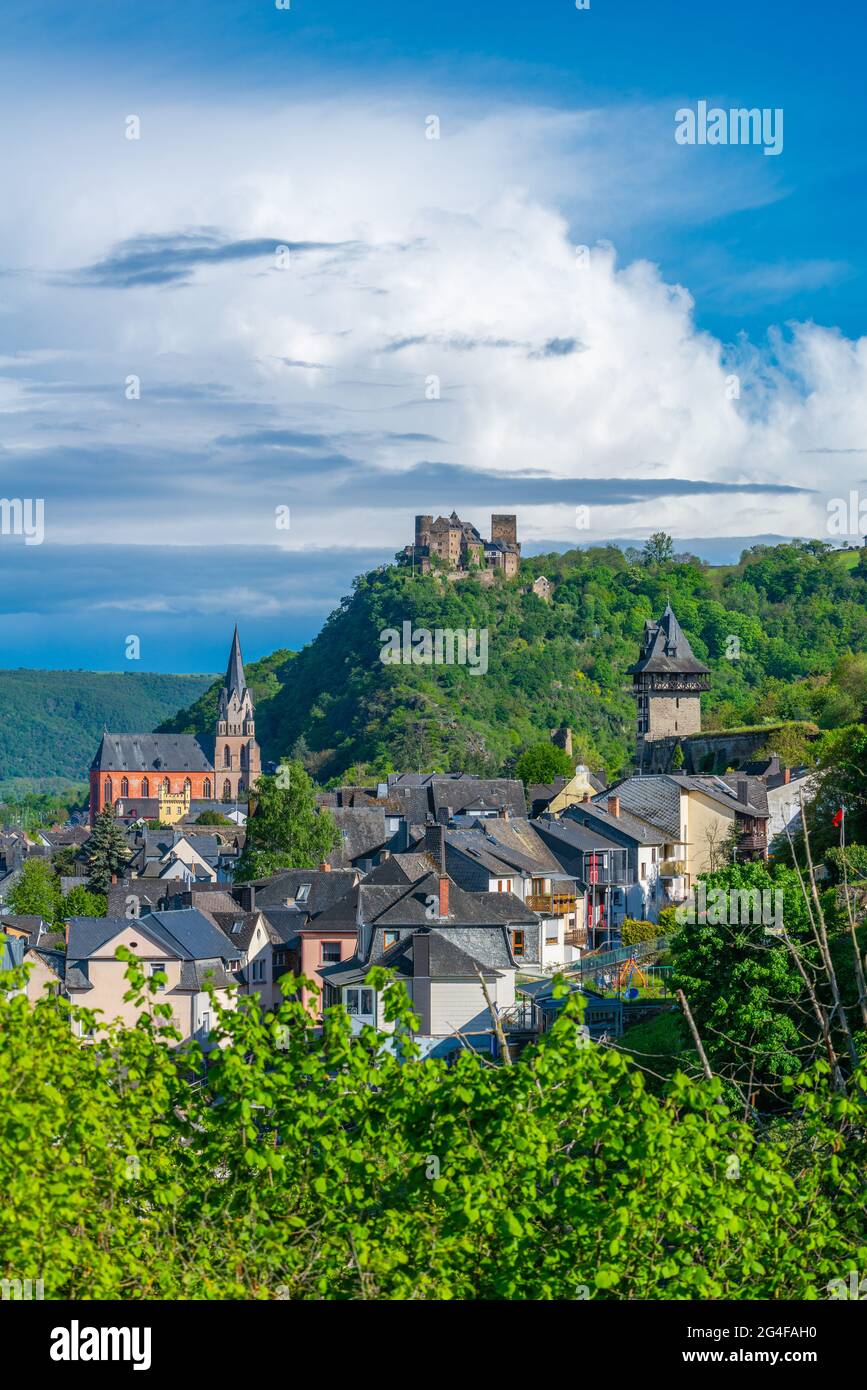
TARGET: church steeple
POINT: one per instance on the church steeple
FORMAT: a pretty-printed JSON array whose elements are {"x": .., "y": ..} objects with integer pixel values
[{"x": 236, "y": 757}]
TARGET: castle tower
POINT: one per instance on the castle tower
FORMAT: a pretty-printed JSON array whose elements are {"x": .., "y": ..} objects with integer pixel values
[
  {"x": 667, "y": 682},
  {"x": 504, "y": 527},
  {"x": 237, "y": 762}
]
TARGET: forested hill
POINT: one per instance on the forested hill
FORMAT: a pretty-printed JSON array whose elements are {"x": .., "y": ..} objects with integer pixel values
[
  {"x": 53, "y": 720},
  {"x": 798, "y": 613}
]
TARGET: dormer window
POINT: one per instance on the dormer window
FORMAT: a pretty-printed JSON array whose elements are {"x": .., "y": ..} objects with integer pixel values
[{"x": 303, "y": 893}]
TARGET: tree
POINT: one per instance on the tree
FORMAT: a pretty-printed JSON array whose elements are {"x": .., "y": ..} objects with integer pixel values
[
  {"x": 602, "y": 1190},
  {"x": 285, "y": 829},
  {"x": 744, "y": 989},
  {"x": 79, "y": 902},
  {"x": 107, "y": 852},
  {"x": 635, "y": 929},
  {"x": 677, "y": 758},
  {"x": 213, "y": 818},
  {"x": 36, "y": 892},
  {"x": 542, "y": 762},
  {"x": 658, "y": 549}
]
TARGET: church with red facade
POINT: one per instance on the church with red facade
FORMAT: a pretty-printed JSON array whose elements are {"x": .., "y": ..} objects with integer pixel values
[{"x": 129, "y": 770}]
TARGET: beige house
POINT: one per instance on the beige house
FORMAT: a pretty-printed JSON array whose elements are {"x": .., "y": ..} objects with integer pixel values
[
  {"x": 708, "y": 822},
  {"x": 186, "y": 946},
  {"x": 554, "y": 797}
]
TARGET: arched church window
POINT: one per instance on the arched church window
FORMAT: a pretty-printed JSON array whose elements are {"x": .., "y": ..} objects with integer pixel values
[
  {"x": 227, "y": 790},
  {"x": 145, "y": 786},
  {"x": 166, "y": 785},
  {"x": 227, "y": 756},
  {"x": 206, "y": 788},
  {"x": 124, "y": 786},
  {"x": 188, "y": 787},
  {"x": 107, "y": 789}
]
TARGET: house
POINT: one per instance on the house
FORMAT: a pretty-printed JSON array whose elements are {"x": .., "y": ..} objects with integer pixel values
[
  {"x": 253, "y": 972},
  {"x": 310, "y": 916},
  {"x": 451, "y": 794},
  {"x": 554, "y": 797},
  {"x": 507, "y": 856},
  {"x": 187, "y": 946},
  {"x": 706, "y": 821},
  {"x": 618, "y": 871},
  {"x": 542, "y": 588},
  {"x": 438, "y": 939}
]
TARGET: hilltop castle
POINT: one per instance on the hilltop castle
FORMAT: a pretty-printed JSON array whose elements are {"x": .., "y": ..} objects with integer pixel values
[
  {"x": 164, "y": 776},
  {"x": 461, "y": 549}
]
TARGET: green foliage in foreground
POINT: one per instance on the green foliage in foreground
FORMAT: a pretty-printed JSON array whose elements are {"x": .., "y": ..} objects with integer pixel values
[{"x": 311, "y": 1168}]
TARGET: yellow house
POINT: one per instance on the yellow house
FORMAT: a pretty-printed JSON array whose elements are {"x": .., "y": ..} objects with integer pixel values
[{"x": 173, "y": 806}]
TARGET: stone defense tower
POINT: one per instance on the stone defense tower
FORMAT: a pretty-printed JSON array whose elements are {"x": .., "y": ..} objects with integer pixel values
[
  {"x": 504, "y": 528},
  {"x": 667, "y": 682},
  {"x": 237, "y": 762},
  {"x": 422, "y": 530}
]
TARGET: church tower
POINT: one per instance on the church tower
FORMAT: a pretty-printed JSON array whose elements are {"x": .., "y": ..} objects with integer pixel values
[
  {"x": 667, "y": 682},
  {"x": 237, "y": 762}
]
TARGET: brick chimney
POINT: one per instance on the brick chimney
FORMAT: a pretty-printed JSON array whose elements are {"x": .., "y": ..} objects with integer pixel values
[
  {"x": 614, "y": 805},
  {"x": 787, "y": 775},
  {"x": 587, "y": 797},
  {"x": 444, "y": 896},
  {"x": 324, "y": 867}
]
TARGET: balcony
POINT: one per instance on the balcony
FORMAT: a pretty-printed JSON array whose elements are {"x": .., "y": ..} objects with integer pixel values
[
  {"x": 672, "y": 868},
  {"x": 552, "y": 904},
  {"x": 576, "y": 937}
]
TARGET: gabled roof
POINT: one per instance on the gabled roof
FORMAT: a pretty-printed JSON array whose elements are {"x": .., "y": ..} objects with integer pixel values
[
  {"x": 393, "y": 905},
  {"x": 188, "y": 933},
  {"x": 454, "y": 953},
  {"x": 664, "y": 648},
  {"x": 326, "y": 887},
  {"x": 643, "y": 831},
  {"x": 157, "y": 753}
]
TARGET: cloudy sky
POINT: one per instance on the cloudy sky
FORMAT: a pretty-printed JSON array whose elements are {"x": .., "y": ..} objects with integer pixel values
[{"x": 285, "y": 295}]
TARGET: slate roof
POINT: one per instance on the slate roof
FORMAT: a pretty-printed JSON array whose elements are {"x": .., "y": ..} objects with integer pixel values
[
  {"x": 664, "y": 648},
  {"x": 238, "y": 926},
  {"x": 363, "y": 833},
  {"x": 188, "y": 933},
  {"x": 454, "y": 792},
  {"x": 506, "y": 846},
  {"x": 235, "y": 678},
  {"x": 391, "y": 905},
  {"x": 644, "y": 832},
  {"x": 150, "y": 753},
  {"x": 327, "y": 887},
  {"x": 455, "y": 953},
  {"x": 721, "y": 790}
]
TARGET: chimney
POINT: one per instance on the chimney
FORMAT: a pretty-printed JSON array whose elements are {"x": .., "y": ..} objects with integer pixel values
[
  {"x": 444, "y": 896},
  {"x": 587, "y": 797},
  {"x": 614, "y": 805},
  {"x": 324, "y": 867},
  {"x": 421, "y": 954},
  {"x": 787, "y": 775},
  {"x": 248, "y": 897},
  {"x": 743, "y": 791}
]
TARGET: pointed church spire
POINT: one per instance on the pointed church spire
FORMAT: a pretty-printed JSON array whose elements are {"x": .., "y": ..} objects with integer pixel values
[{"x": 235, "y": 678}]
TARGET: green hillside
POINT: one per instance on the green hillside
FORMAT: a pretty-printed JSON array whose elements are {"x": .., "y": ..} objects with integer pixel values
[
  {"x": 52, "y": 720},
  {"x": 799, "y": 616}
]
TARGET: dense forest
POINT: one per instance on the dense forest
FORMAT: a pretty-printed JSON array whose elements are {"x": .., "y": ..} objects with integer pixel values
[
  {"x": 784, "y": 632},
  {"x": 53, "y": 720}
]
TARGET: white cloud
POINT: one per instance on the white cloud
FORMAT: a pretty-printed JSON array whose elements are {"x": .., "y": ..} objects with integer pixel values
[{"x": 466, "y": 240}]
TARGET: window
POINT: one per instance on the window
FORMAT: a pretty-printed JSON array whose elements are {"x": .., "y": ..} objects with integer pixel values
[
  {"x": 504, "y": 885},
  {"x": 206, "y": 789},
  {"x": 330, "y": 952},
  {"x": 643, "y": 871},
  {"x": 227, "y": 756},
  {"x": 107, "y": 789},
  {"x": 158, "y": 967},
  {"x": 188, "y": 787},
  {"x": 206, "y": 1023},
  {"x": 390, "y": 938},
  {"x": 538, "y": 886},
  {"x": 227, "y": 790},
  {"x": 258, "y": 974},
  {"x": 303, "y": 892},
  {"x": 166, "y": 785},
  {"x": 145, "y": 787},
  {"x": 359, "y": 1002},
  {"x": 124, "y": 786},
  {"x": 518, "y": 944}
]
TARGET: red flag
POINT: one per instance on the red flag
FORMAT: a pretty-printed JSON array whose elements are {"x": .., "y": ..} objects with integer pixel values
[{"x": 838, "y": 819}]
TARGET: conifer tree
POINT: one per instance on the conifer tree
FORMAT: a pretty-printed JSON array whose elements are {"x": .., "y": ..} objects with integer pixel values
[{"x": 107, "y": 852}]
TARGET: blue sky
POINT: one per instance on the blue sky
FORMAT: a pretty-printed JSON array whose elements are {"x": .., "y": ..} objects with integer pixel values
[{"x": 703, "y": 370}]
